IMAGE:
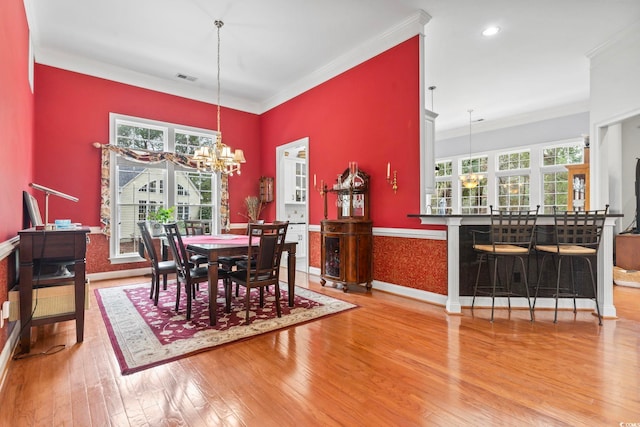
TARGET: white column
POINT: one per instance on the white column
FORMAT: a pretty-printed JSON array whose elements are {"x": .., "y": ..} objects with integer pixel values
[
  {"x": 453, "y": 265},
  {"x": 605, "y": 271}
]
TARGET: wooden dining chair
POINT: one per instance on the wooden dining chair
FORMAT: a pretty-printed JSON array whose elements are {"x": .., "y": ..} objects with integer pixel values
[
  {"x": 228, "y": 262},
  {"x": 190, "y": 274},
  {"x": 262, "y": 266},
  {"x": 577, "y": 236},
  {"x": 158, "y": 267},
  {"x": 195, "y": 227}
]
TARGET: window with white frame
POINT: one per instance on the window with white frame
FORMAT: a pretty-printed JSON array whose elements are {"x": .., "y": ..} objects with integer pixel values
[
  {"x": 139, "y": 188},
  {"x": 513, "y": 180},
  {"x": 555, "y": 190},
  {"x": 474, "y": 200},
  {"x": 518, "y": 178},
  {"x": 444, "y": 187}
]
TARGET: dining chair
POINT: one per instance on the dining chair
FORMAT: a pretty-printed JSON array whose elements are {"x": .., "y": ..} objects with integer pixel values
[
  {"x": 510, "y": 237},
  {"x": 577, "y": 236},
  {"x": 158, "y": 266},
  {"x": 262, "y": 266},
  {"x": 229, "y": 262},
  {"x": 190, "y": 274},
  {"x": 194, "y": 227}
]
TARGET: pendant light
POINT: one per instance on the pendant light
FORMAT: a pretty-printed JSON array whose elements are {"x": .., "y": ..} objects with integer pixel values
[
  {"x": 219, "y": 158},
  {"x": 470, "y": 179}
]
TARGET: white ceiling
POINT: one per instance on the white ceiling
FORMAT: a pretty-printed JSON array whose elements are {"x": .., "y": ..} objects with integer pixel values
[{"x": 273, "y": 50}]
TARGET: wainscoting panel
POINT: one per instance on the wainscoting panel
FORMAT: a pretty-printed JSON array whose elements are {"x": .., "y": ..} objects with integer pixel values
[{"x": 411, "y": 258}]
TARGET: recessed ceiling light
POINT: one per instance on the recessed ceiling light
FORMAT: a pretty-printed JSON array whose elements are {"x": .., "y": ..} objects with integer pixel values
[{"x": 491, "y": 31}]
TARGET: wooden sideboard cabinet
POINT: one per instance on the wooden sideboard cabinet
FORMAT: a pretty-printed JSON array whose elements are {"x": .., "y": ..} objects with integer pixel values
[
  {"x": 346, "y": 252},
  {"x": 43, "y": 256}
]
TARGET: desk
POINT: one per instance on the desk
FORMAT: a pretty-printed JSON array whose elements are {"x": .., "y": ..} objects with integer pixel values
[
  {"x": 37, "y": 248},
  {"x": 236, "y": 245}
]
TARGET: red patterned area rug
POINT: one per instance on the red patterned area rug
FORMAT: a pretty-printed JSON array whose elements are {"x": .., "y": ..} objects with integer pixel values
[{"x": 144, "y": 335}]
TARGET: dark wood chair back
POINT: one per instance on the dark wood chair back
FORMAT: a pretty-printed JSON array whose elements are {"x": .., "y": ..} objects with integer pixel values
[
  {"x": 147, "y": 240},
  {"x": 268, "y": 252},
  {"x": 261, "y": 269},
  {"x": 174, "y": 239},
  {"x": 159, "y": 267},
  {"x": 188, "y": 274},
  {"x": 194, "y": 227}
]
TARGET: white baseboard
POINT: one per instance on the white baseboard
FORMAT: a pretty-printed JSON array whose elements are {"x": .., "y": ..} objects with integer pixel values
[
  {"x": 404, "y": 291},
  {"x": 7, "y": 351},
  {"x": 119, "y": 274}
]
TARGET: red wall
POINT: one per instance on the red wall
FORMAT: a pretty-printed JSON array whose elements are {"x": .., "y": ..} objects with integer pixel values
[
  {"x": 16, "y": 122},
  {"x": 72, "y": 111},
  {"x": 16, "y": 116},
  {"x": 369, "y": 114}
]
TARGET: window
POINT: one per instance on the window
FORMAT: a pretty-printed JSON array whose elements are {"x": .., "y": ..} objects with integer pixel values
[
  {"x": 139, "y": 188},
  {"x": 562, "y": 155},
  {"x": 555, "y": 190},
  {"x": 513, "y": 192},
  {"x": 474, "y": 200},
  {"x": 513, "y": 180},
  {"x": 182, "y": 212},
  {"x": 514, "y": 161},
  {"x": 517, "y": 179},
  {"x": 444, "y": 190}
]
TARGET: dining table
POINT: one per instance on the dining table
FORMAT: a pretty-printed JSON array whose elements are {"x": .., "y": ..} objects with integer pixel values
[{"x": 215, "y": 246}]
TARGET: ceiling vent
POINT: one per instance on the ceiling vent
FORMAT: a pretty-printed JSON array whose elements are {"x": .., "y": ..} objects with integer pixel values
[{"x": 185, "y": 77}]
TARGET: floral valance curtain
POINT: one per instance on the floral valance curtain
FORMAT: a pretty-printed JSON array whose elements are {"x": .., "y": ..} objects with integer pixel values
[{"x": 148, "y": 157}]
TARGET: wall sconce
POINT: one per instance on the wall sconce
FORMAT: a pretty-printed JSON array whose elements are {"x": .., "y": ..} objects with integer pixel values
[
  {"x": 322, "y": 189},
  {"x": 393, "y": 182}
]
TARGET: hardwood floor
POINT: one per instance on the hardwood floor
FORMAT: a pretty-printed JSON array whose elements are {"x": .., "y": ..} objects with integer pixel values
[{"x": 391, "y": 362}]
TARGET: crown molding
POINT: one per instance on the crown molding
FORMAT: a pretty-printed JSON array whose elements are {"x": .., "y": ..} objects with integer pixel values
[
  {"x": 630, "y": 32},
  {"x": 516, "y": 120},
  {"x": 409, "y": 27},
  {"x": 112, "y": 72}
]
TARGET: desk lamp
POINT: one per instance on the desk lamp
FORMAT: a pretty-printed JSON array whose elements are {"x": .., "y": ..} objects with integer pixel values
[{"x": 48, "y": 191}]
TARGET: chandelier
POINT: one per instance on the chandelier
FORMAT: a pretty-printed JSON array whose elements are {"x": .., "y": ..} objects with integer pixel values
[
  {"x": 470, "y": 180},
  {"x": 219, "y": 157}
]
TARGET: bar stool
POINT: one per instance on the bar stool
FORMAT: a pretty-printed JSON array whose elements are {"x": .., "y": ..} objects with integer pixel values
[
  {"x": 510, "y": 236},
  {"x": 577, "y": 236}
]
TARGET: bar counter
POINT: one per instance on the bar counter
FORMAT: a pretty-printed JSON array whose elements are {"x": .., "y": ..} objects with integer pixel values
[{"x": 461, "y": 265}]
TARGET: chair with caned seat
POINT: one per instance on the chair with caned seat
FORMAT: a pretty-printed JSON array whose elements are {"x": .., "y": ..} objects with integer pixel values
[
  {"x": 509, "y": 238},
  {"x": 577, "y": 236},
  {"x": 158, "y": 267},
  {"x": 262, "y": 267}
]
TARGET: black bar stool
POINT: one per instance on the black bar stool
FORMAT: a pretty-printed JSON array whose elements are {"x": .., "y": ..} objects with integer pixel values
[
  {"x": 510, "y": 236},
  {"x": 577, "y": 236}
]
